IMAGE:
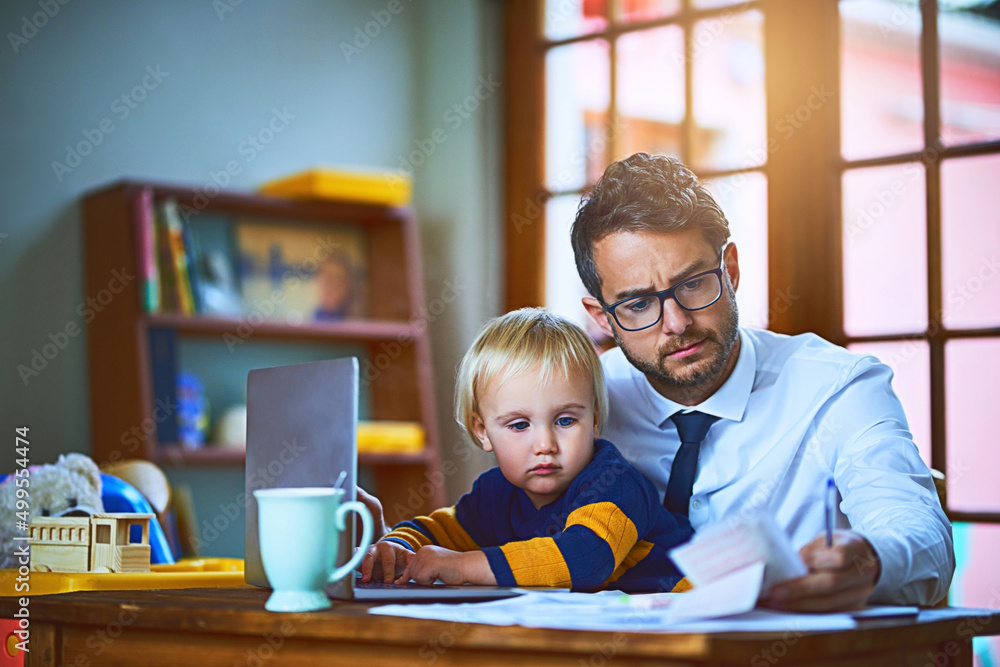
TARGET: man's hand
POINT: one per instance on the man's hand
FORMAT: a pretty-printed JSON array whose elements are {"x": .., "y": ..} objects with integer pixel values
[
  {"x": 387, "y": 559},
  {"x": 379, "y": 529},
  {"x": 840, "y": 577},
  {"x": 431, "y": 563}
]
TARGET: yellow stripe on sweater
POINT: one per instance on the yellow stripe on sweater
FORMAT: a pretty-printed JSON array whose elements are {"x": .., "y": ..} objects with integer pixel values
[
  {"x": 411, "y": 536},
  {"x": 682, "y": 586},
  {"x": 638, "y": 552},
  {"x": 447, "y": 530},
  {"x": 610, "y": 524},
  {"x": 634, "y": 557},
  {"x": 537, "y": 562}
]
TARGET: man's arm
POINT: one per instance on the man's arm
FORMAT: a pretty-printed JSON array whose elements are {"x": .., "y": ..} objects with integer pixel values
[
  {"x": 899, "y": 549},
  {"x": 374, "y": 506}
]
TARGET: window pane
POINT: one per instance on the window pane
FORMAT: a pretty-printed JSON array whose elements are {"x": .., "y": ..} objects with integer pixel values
[
  {"x": 707, "y": 4},
  {"x": 976, "y": 582},
  {"x": 651, "y": 90},
  {"x": 885, "y": 250},
  {"x": 563, "y": 287},
  {"x": 970, "y": 75},
  {"x": 577, "y": 90},
  {"x": 645, "y": 10},
  {"x": 743, "y": 198},
  {"x": 569, "y": 18},
  {"x": 972, "y": 384},
  {"x": 881, "y": 100},
  {"x": 970, "y": 229},
  {"x": 910, "y": 362},
  {"x": 728, "y": 71}
]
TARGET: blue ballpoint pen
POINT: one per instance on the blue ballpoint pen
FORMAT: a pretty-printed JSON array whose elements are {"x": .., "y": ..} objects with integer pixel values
[{"x": 831, "y": 507}]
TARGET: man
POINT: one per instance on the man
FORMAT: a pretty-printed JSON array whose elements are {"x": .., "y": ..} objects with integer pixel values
[{"x": 783, "y": 414}]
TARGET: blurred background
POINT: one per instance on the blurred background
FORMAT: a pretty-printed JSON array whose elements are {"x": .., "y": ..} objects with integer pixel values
[
  {"x": 854, "y": 146},
  {"x": 178, "y": 92}
]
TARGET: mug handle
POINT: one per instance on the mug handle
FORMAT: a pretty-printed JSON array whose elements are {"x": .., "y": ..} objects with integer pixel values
[{"x": 366, "y": 537}]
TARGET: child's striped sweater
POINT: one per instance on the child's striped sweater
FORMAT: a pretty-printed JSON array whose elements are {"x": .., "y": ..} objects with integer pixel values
[{"x": 608, "y": 530}]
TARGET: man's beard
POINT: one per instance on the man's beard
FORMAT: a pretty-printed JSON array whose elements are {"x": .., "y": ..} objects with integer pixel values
[{"x": 718, "y": 344}]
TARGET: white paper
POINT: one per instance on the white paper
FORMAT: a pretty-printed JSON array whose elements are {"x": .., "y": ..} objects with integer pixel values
[
  {"x": 611, "y": 611},
  {"x": 728, "y": 546},
  {"x": 731, "y": 594},
  {"x": 729, "y": 568},
  {"x": 885, "y": 612}
]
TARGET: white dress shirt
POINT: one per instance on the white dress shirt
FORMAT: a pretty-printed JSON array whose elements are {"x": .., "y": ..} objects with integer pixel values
[{"x": 796, "y": 411}]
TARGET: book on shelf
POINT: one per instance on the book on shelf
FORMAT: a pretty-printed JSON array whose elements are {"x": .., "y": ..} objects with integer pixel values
[
  {"x": 148, "y": 257},
  {"x": 188, "y": 268},
  {"x": 282, "y": 272},
  {"x": 178, "y": 254},
  {"x": 168, "y": 297},
  {"x": 191, "y": 254},
  {"x": 388, "y": 188},
  {"x": 163, "y": 365},
  {"x": 212, "y": 257},
  {"x": 390, "y": 437}
]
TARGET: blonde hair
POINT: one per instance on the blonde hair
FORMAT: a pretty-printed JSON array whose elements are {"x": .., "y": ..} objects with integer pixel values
[{"x": 522, "y": 340}]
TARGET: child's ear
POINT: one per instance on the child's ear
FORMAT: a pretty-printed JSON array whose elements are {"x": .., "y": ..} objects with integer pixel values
[
  {"x": 597, "y": 425},
  {"x": 479, "y": 430}
]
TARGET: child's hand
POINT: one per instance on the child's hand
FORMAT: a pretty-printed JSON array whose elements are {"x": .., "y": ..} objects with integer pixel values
[
  {"x": 431, "y": 563},
  {"x": 387, "y": 559}
]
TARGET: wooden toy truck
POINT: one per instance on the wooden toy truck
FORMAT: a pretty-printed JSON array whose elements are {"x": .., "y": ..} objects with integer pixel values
[{"x": 98, "y": 543}]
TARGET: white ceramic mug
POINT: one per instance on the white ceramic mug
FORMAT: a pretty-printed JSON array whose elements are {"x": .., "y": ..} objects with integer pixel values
[{"x": 299, "y": 533}]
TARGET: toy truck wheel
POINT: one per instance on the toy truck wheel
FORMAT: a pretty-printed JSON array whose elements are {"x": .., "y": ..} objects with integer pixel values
[
  {"x": 42, "y": 568},
  {"x": 102, "y": 569}
]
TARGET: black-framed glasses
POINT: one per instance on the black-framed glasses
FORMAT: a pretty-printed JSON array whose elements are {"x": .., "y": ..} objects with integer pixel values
[{"x": 641, "y": 312}]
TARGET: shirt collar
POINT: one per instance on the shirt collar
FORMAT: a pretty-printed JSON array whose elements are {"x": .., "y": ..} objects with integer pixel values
[{"x": 729, "y": 402}]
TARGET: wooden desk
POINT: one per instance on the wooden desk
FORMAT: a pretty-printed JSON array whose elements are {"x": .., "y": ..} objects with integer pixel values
[{"x": 231, "y": 627}]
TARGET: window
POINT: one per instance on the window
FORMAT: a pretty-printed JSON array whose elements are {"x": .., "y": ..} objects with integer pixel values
[
  {"x": 920, "y": 124},
  {"x": 865, "y": 139},
  {"x": 658, "y": 77},
  {"x": 102, "y": 533}
]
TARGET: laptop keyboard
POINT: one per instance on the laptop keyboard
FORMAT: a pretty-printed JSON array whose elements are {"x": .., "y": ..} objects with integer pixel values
[{"x": 377, "y": 585}]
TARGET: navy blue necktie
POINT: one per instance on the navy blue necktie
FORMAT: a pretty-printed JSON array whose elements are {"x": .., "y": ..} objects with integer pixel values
[{"x": 692, "y": 427}]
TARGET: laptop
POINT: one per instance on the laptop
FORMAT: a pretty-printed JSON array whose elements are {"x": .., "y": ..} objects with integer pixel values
[{"x": 302, "y": 424}]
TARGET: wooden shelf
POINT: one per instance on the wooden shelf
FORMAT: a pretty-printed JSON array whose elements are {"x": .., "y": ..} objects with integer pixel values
[
  {"x": 253, "y": 204},
  {"x": 176, "y": 456},
  {"x": 123, "y": 398},
  {"x": 346, "y": 330}
]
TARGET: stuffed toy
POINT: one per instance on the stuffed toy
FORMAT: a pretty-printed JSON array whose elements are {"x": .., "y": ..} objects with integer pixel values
[{"x": 69, "y": 487}]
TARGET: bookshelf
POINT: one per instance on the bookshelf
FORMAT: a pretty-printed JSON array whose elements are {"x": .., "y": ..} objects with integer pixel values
[{"x": 124, "y": 414}]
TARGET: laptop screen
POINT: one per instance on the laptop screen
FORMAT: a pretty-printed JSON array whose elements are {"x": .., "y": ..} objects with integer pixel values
[{"x": 301, "y": 431}]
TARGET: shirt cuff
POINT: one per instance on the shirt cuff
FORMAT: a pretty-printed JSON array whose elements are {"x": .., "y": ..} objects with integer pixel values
[{"x": 899, "y": 582}]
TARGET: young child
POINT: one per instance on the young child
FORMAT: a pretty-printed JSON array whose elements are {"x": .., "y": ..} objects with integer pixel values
[{"x": 563, "y": 508}]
